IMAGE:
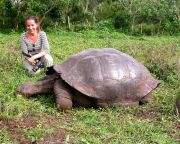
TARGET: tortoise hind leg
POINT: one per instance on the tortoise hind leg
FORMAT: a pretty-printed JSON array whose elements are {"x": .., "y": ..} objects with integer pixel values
[
  {"x": 63, "y": 95},
  {"x": 82, "y": 100}
]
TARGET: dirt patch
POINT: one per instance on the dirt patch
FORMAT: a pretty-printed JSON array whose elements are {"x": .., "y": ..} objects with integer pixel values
[
  {"x": 177, "y": 125},
  {"x": 14, "y": 128},
  {"x": 155, "y": 114},
  {"x": 57, "y": 137},
  {"x": 151, "y": 113},
  {"x": 177, "y": 136}
]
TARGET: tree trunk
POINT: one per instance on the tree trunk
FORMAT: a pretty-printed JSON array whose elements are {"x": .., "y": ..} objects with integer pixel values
[
  {"x": 69, "y": 23},
  {"x": 86, "y": 7},
  {"x": 16, "y": 19},
  {"x": 45, "y": 14},
  {"x": 132, "y": 24},
  {"x": 141, "y": 28}
]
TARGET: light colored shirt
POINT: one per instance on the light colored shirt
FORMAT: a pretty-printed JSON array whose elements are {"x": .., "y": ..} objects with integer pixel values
[{"x": 40, "y": 45}]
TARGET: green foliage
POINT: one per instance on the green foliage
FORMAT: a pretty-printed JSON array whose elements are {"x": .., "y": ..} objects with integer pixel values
[
  {"x": 122, "y": 21},
  {"x": 163, "y": 62},
  {"x": 130, "y": 16},
  {"x": 104, "y": 10},
  {"x": 4, "y": 137},
  {"x": 145, "y": 29}
]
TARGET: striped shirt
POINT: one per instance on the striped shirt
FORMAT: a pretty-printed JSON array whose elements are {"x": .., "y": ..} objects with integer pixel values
[{"x": 40, "y": 45}]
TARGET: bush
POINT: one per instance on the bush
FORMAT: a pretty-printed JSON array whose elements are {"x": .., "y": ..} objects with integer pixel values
[
  {"x": 171, "y": 25},
  {"x": 121, "y": 21},
  {"x": 163, "y": 62},
  {"x": 145, "y": 29}
]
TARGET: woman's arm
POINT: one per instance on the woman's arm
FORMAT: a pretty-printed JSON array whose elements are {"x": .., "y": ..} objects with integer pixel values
[
  {"x": 45, "y": 46},
  {"x": 45, "y": 43},
  {"x": 25, "y": 50},
  {"x": 41, "y": 54},
  {"x": 23, "y": 44}
]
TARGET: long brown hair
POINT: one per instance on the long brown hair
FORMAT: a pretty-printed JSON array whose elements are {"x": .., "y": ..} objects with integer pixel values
[{"x": 36, "y": 20}]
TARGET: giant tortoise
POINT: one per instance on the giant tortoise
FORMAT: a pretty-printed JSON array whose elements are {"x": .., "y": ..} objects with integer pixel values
[{"x": 96, "y": 77}]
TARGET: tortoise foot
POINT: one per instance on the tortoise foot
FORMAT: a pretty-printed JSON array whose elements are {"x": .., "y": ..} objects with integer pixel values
[{"x": 63, "y": 103}]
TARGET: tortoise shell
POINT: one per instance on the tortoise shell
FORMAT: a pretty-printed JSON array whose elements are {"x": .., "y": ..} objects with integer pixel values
[{"x": 107, "y": 74}]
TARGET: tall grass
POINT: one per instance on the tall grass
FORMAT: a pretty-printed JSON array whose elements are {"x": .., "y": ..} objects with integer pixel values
[{"x": 152, "y": 123}]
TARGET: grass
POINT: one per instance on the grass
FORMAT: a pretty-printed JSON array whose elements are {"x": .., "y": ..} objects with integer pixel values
[{"x": 25, "y": 120}]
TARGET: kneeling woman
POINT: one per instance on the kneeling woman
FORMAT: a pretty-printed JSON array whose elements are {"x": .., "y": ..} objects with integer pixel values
[{"x": 35, "y": 47}]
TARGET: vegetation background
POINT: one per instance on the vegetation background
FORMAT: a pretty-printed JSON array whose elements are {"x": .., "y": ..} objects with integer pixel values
[
  {"x": 131, "y": 16},
  {"x": 148, "y": 30}
]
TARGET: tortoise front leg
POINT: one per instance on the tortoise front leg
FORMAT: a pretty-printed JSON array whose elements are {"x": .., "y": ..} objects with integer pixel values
[
  {"x": 44, "y": 85},
  {"x": 63, "y": 95}
]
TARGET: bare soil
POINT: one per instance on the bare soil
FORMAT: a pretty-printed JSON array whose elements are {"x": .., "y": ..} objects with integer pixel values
[
  {"x": 15, "y": 129},
  {"x": 150, "y": 113},
  {"x": 58, "y": 137}
]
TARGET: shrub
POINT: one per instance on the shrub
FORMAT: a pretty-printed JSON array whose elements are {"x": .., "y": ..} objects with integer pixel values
[
  {"x": 163, "y": 62},
  {"x": 121, "y": 21},
  {"x": 146, "y": 29}
]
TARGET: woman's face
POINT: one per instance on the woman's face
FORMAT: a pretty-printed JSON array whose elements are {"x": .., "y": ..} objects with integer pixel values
[{"x": 31, "y": 26}]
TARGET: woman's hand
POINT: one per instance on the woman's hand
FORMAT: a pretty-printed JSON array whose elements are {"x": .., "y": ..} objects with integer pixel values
[{"x": 31, "y": 60}]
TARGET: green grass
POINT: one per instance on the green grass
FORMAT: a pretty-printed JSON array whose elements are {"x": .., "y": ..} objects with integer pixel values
[{"x": 28, "y": 120}]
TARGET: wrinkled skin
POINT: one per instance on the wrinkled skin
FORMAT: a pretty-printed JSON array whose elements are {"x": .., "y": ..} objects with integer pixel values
[
  {"x": 96, "y": 77},
  {"x": 45, "y": 85}
]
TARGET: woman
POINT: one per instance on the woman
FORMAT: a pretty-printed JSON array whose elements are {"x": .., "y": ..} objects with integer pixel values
[{"x": 35, "y": 47}]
